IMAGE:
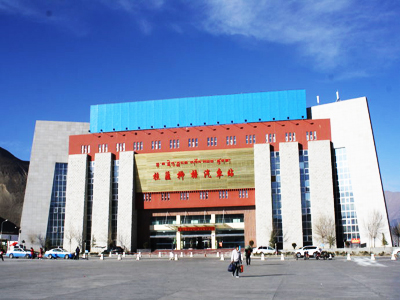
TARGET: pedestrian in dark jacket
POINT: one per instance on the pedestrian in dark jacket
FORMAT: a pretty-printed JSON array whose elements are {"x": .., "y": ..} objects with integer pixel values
[
  {"x": 1, "y": 254},
  {"x": 77, "y": 251},
  {"x": 248, "y": 252}
]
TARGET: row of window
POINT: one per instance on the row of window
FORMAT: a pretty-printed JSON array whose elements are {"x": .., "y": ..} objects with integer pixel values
[
  {"x": 85, "y": 149},
  {"x": 311, "y": 135},
  {"x": 165, "y": 197},
  {"x": 290, "y": 137},
  {"x": 231, "y": 140},
  {"x": 174, "y": 144},
  {"x": 138, "y": 146},
  {"x": 120, "y": 147},
  {"x": 194, "y": 142},
  {"x": 155, "y": 145},
  {"x": 103, "y": 148},
  {"x": 251, "y": 139},
  {"x": 223, "y": 194},
  {"x": 211, "y": 142}
]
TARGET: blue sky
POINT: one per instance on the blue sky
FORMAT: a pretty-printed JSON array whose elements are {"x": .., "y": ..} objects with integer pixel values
[{"x": 59, "y": 57}]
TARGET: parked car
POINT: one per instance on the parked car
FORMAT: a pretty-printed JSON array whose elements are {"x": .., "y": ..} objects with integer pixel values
[
  {"x": 114, "y": 250},
  {"x": 58, "y": 253},
  {"x": 396, "y": 251},
  {"x": 18, "y": 252},
  {"x": 265, "y": 250},
  {"x": 312, "y": 251}
]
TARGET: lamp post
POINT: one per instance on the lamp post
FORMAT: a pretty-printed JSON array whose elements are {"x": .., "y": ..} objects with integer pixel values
[{"x": 1, "y": 232}]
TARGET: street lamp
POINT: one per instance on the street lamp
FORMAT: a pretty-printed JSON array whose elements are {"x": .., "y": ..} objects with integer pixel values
[{"x": 1, "y": 233}]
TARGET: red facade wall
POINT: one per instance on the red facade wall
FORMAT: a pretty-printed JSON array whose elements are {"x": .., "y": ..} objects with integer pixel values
[
  {"x": 279, "y": 128},
  {"x": 194, "y": 200}
]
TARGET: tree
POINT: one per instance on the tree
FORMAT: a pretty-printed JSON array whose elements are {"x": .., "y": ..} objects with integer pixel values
[
  {"x": 325, "y": 230},
  {"x": 373, "y": 225},
  {"x": 41, "y": 240},
  {"x": 68, "y": 235},
  {"x": 123, "y": 241},
  {"x": 272, "y": 239},
  {"x": 384, "y": 241},
  {"x": 396, "y": 232}
]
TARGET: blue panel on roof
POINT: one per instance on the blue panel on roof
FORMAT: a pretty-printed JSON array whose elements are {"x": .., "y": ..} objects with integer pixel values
[{"x": 265, "y": 106}]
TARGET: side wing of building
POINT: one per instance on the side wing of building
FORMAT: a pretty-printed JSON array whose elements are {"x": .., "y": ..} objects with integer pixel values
[{"x": 47, "y": 169}]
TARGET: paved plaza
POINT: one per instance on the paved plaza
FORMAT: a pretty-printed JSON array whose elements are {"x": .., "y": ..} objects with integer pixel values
[{"x": 199, "y": 278}]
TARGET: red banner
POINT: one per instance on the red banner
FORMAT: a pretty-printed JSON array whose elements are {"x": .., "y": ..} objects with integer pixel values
[{"x": 205, "y": 228}]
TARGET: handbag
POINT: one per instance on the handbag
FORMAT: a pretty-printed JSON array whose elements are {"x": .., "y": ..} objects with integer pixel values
[
  {"x": 231, "y": 267},
  {"x": 241, "y": 268}
]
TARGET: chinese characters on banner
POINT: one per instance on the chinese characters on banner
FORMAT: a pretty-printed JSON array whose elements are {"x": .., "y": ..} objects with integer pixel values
[{"x": 194, "y": 174}]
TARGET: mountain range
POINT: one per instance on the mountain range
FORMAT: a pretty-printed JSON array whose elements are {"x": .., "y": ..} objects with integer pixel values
[{"x": 13, "y": 176}]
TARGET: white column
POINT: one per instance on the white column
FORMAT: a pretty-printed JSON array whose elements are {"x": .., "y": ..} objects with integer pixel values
[
  {"x": 290, "y": 195},
  {"x": 213, "y": 239},
  {"x": 101, "y": 212},
  {"x": 321, "y": 184},
  {"x": 263, "y": 197},
  {"x": 126, "y": 223},
  {"x": 75, "y": 204},
  {"x": 178, "y": 233}
]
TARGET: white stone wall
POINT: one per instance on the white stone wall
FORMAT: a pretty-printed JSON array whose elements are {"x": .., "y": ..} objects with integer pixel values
[
  {"x": 263, "y": 197},
  {"x": 75, "y": 205},
  {"x": 50, "y": 145},
  {"x": 101, "y": 211},
  {"x": 321, "y": 184},
  {"x": 126, "y": 223},
  {"x": 351, "y": 128},
  {"x": 290, "y": 195}
]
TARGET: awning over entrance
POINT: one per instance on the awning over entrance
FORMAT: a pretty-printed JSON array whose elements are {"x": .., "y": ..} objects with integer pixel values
[{"x": 197, "y": 227}]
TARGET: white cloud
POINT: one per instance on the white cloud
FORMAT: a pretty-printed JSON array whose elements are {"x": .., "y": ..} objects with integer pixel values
[{"x": 331, "y": 34}]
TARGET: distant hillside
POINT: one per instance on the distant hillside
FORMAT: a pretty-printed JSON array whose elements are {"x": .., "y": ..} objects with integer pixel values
[
  {"x": 393, "y": 206},
  {"x": 13, "y": 176}
]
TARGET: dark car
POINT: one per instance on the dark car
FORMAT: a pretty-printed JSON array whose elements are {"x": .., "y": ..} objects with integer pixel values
[{"x": 114, "y": 250}]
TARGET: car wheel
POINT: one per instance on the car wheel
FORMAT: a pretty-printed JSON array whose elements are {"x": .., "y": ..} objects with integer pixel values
[
  {"x": 66, "y": 256},
  {"x": 11, "y": 256},
  {"x": 50, "y": 256},
  {"x": 27, "y": 256},
  {"x": 315, "y": 254},
  {"x": 298, "y": 255}
]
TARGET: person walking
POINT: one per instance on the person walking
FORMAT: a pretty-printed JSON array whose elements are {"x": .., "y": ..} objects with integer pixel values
[
  {"x": 40, "y": 253},
  {"x": 236, "y": 259},
  {"x": 32, "y": 253},
  {"x": 77, "y": 251},
  {"x": 248, "y": 252},
  {"x": 1, "y": 254}
]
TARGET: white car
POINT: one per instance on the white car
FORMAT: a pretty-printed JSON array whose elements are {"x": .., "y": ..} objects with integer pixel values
[
  {"x": 396, "y": 251},
  {"x": 58, "y": 253},
  {"x": 265, "y": 250},
  {"x": 312, "y": 251},
  {"x": 18, "y": 252}
]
